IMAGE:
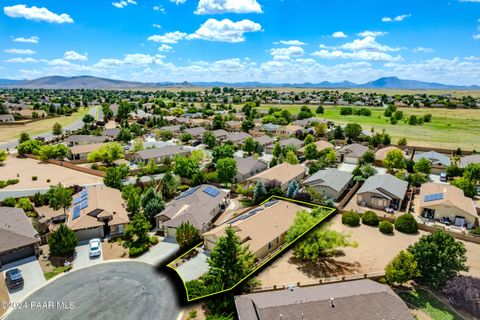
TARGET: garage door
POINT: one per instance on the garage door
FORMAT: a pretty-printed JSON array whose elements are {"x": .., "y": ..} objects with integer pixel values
[
  {"x": 17, "y": 255},
  {"x": 88, "y": 234}
]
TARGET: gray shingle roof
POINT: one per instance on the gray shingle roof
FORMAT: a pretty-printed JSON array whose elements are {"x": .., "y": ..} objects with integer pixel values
[
  {"x": 161, "y": 152},
  {"x": 332, "y": 178},
  {"x": 434, "y": 157},
  {"x": 15, "y": 229},
  {"x": 353, "y": 150},
  {"x": 360, "y": 300},
  {"x": 245, "y": 165},
  {"x": 385, "y": 184}
]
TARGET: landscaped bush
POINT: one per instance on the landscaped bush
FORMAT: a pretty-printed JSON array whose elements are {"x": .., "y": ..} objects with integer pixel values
[
  {"x": 9, "y": 202},
  {"x": 351, "y": 219},
  {"x": 464, "y": 293},
  {"x": 385, "y": 227},
  {"x": 4, "y": 184},
  {"x": 406, "y": 223},
  {"x": 183, "y": 188},
  {"x": 137, "y": 251},
  {"x": 370, "y": 218},
  {"x": 475, "y": 232},
  {"x": 153, "y": 240},
  {"x": 34, "y": 178}
]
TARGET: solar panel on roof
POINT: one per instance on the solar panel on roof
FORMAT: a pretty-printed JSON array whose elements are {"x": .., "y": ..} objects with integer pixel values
[
  {"x": 433, "y": 197},
  {"x": 84, "y": 193},
  {"x": 211, "y": 191},
  {"x": 271, "y": 203},
  {"x": 187, "y": 193},
  {"x": 77, "y": 200},
  {"x": 84, "y": 204},
  {"x": 76, "y": 212}
]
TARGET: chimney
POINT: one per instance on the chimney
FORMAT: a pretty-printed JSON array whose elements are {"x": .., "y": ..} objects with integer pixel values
[
  {"x": 332, "y": 302},
  {"x": 302, "y": 315}
]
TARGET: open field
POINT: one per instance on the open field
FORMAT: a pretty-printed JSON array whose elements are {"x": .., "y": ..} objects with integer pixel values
[
  {"x": 47, "y": 174},
  {"x": 450, "y": 128},
  {"x": 8, "y": 133},
  {"x": 373, "y": 253}
]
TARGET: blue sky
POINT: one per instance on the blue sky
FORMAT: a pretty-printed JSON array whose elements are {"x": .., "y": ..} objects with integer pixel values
[{"x": 242, "y": 40}]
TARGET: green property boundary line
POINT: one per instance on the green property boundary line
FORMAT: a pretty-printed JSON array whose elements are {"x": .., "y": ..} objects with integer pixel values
[{"x": 171, "y": 264}]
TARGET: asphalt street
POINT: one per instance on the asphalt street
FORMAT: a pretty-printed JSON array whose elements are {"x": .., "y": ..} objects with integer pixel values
[{"x": 120, "y": 290}]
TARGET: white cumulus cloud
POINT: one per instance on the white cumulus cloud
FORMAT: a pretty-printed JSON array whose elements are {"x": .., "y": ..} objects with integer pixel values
[
  {"x": 291, "y": 42},
  {"x": 165, "y": 48},
  {"x": 286, "y": 53},
  {"x": 123, "y": 3},
  {"x": 228, "y": 6},
  {"x": 75, "y": 56},
  {"x": 33, "y": 39},
  {"x": 368, "y": 33},
  {"x": 339, "y": 34},
  {"x": 225, "y": 30},
  {"x": 19, "y": 51},
  {"x": 170, "y": 37},
  {"x": 177, "y": 2},
  {"x": 21, "y": 60},
  {"x": 36, "y": 14},
  {"x": 397, "y": 18}
]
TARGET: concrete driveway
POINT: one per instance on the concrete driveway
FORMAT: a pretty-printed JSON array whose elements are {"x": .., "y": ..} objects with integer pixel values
[
  {"x": 157, "y": 254},
  {"x": 118, "y": 290},
  {"x": 82, "y": 260},
  {"x": 194, "y": 268},
  {"x": 32, "y": 275}
]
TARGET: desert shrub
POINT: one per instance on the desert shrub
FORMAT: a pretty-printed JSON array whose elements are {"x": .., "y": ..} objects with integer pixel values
[
  {"x": 34, "y": 178},
  {"x": 475, "y": 232},
  {"x": 351, "y": 219},
  {"x": 385, "y": 227},
  {"x": 370, "y": 218},
  {"x": 153, "y": 240},
  {"x": 183, "y": 188},
  {"x": 406, "y": 223},
  {"x": 137, "y": 251},
  {"x": 9, "y": 202},
  {"x": 464, "y": 293}
]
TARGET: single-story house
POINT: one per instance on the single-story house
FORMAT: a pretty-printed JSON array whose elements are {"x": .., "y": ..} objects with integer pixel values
[
  {"x": 79, "y": 139},
  {"x": 111, "y": 133},
  {"x": 220, "y": 134},
  {"x": 196, "y": 132},
  {"x": 199, "y": 206},
  {"x": 248, "y": 167},
  {"x": 439, "y": 161},
  {"x": 351, "y": 153},
  {"x": 284, "y": 173},
  {"x": 290, "y": 142},
  {"x": 262, "y": 229},
  {"x": 233, "y": 125},
  {"x": 269, "y": 127},
  {"x": 238, "y": 137},
  {"x": 175, "y": 129},
  {"x": 381, "y": 154},
  {"x": 6, "y": 117},
  {"x": 330, "y": 183},
  {"x": 320, "y": 144},
  {"x": 444, "y": 201},
  {"x": 264, "y": 141},
  {"x": 81, "y": 152},
  {"x": 159, "y": 154},
  {"x": 18, "y": 238},
  {"x": 382, "y": 191},
  {"x": 97, "y": 212},
  {"x": 289, "y": 130},
  {"x": 200, "y": 122},
  {"x": 466, "y": 160},
  {"x": 307, "y": 122},
  {"x": 360, "y": 299}
]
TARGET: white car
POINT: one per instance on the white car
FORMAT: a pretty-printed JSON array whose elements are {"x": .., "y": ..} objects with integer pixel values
[{"x": 95, "y": 248}]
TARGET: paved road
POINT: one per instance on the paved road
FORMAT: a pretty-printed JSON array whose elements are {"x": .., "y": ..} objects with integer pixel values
[
  {"x": 119, "y": 290},
  {"x": 48, "y": 135}
]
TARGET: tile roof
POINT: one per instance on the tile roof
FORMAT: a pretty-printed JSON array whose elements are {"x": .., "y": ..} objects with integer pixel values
[
  {"x": 283, "y": 172},
  {"x": 321, "y": 145},
  {"x": 452, "y": 197},
  {"x": 466, "y": 160},
  {"x": 86, "y": 148},
  {"x": 245, "y": 165},
  {"x": 361, "y": 300}
]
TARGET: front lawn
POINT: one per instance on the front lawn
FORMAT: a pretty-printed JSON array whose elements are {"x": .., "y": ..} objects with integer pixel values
[
  {"x": 426, "y": 302},
  {"x": 49, "y": 275}
]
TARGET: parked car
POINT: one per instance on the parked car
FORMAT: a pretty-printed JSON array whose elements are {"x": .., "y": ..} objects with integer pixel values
[
  {"x": 14, "y": 279},
  {"x": 95, "y": 248},
  {"x": 196, "y": 143},
  {"x": 443, "y": 177}
]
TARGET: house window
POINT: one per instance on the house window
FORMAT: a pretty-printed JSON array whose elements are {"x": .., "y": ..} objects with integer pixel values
[{"x": 269, "y": 245}]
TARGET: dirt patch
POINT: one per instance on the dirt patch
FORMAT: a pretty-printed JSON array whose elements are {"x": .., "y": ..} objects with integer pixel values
[
  {"x": 114, "y": 250},
  {"x": 190, "y": 311},
  {"x": 373, "y": 253},
  {"x": 4, "y": 298}
]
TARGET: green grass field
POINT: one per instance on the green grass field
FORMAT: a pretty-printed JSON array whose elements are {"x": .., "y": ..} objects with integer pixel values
[
  {"x": 426, "y": 302},
  {"x": 449, "y": 128}
]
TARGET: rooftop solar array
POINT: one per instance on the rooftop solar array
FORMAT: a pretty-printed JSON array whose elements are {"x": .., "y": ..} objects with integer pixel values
[
  {"x": 246, "y": 215},
  {"x": 84, "y": 204},
  {"x": 77, "y": 200},
  {"x": 187, "y": 193},
  {"x": 84, "y": 193},
  {"x": 211, "y": 191},
  {"x": 76, "y": 212},
  {"x": 433, "y": 197},
  {"x": 271, "y": 203}
]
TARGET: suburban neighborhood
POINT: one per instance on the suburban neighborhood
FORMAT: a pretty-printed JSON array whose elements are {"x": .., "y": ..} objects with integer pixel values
[{"x": 240, "y": 160}]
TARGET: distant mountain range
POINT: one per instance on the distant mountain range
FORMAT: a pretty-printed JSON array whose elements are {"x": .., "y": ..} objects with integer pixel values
[{"x": 89, "y": 82}]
